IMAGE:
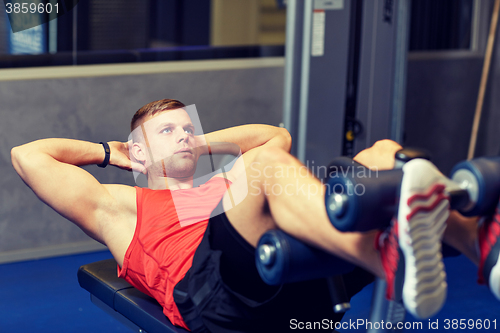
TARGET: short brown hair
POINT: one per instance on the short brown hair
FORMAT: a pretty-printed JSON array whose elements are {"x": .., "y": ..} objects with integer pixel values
[{"x": 153, "y": 108}]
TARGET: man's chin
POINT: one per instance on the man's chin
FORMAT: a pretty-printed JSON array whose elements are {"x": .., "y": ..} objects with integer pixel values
[
  {"x": 175, "y": 167},
  {"x": 181, "y": 174},
  {"x": 181, "y": 170}
]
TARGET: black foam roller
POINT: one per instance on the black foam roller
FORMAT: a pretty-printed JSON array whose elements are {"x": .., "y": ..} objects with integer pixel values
[
  {"x": 295, "y": 261},
  {"x": 372, "y": 196},
  {"x": 486, "y": 170}
]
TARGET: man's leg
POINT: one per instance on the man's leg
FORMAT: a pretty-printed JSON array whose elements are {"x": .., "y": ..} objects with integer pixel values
[
  {"x": 480, "y": 242},
  {"x": 279, "y": 196},
  {"x": 283, "y": 194},
  {"x": 461, "y": 234}
]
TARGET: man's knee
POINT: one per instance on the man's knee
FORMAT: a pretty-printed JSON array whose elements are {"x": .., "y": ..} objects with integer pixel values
[
  {"x": 387, "y": 145},
  {"x": 379, "y": 156},
  {"x": 269, "y": 165}
]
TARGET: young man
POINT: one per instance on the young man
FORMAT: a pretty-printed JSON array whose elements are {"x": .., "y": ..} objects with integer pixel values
[{"x": 203, "y": 272}]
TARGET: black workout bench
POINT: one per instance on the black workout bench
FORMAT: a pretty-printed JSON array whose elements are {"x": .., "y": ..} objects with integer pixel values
[{"x": 118, "y": 298}]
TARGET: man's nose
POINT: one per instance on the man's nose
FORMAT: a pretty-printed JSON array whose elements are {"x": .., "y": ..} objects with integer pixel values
[{"x": 182, "y": 136}]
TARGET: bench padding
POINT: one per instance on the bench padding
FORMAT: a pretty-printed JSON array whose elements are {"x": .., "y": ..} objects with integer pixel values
[{"x": 107, "y": 289}]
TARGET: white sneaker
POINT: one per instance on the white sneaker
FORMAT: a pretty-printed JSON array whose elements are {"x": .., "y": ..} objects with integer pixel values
[{"x": 423, "y": 211}]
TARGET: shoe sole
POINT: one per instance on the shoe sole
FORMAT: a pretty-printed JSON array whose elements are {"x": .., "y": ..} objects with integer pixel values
[
  {"x": 494, "y": 280},
  {"x": 493, "y": 261},
  {"x": 423, "y": 211}
]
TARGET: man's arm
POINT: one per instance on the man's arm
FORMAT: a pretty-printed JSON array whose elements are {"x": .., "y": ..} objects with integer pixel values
[
  {"x": 250, "y": 139},
  {"x": 50, "y": 167},
  {"x": 252, "y": 136}
]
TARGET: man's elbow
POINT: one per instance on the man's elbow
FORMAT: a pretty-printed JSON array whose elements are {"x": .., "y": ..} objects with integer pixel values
[
  {"x": 17, "y": 155},
  {"x": 286, "y": 139},
  {"x": 19, "y": 159},
  {"x": 14, "y": 156}
]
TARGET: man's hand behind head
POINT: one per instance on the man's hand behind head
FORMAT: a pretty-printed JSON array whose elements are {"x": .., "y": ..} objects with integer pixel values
[{"x": 120, "y": 157}]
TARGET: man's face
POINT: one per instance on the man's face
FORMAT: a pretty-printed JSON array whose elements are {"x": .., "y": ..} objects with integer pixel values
[{"x": 169, "y": 144}]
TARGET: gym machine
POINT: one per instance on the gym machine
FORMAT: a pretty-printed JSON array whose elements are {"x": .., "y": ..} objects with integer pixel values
[
  {"x": 345, "y": 74},
  {"x": 473, "y": 189}
]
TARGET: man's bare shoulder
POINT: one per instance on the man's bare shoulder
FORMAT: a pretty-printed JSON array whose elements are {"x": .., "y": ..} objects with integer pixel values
[
  {"x": 124, "y": 196},
  {"x": 118, "y": 219}
]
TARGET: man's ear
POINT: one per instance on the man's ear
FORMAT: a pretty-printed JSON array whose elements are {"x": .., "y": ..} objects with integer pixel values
[{"x": 138, "y": 153}]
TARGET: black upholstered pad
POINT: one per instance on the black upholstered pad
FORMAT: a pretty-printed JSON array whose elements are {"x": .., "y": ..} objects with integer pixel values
[{"x": 101, "y": 281}]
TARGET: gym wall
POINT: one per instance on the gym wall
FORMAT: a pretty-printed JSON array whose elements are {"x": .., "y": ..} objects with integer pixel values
[
  {"x": 442, "y": 92},
  {"x": 96, "y": 103},
  {"x": 440, "y": 102}
]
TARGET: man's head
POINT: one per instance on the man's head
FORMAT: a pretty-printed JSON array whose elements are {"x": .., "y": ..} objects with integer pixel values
[
  {"x": 152, "y": 109},
  {"x": 163, "y": 139}
]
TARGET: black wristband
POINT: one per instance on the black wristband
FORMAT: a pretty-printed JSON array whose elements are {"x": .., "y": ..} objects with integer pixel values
[{"x": 107, "y": 153}]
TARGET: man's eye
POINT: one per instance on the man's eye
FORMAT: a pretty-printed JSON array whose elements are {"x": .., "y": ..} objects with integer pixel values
[
  {"x": 188, "y": 131},
  {"x": 166, "y": 130}
]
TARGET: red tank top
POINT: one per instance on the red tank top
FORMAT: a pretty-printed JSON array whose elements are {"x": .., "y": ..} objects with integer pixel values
[{"x": 162, "y": 249}]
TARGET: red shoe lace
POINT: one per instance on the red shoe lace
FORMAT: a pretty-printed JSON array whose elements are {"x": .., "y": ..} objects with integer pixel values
[
  {"x": 437, "y": 189},
  {"x": 389, "y": 255}
]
